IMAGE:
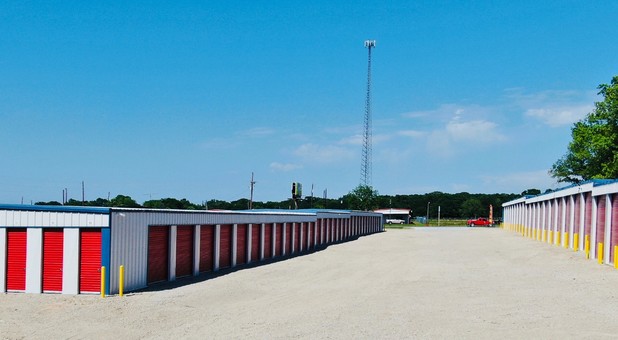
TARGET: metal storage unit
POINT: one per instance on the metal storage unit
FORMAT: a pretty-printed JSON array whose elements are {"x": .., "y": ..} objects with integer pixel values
[
  {"x": 255, "y": 242},
  {"x": 53, "y": 241},
  {"x": 296, "y": 235},
  {"x": 62, "y": 249},
  {"x": 288, "y": 238},
  {"x": 16, "y": 240},
  {"x": 241, "y": 244},
  {"x": 158, "y": 254},
  {"x": 207, "y": 244},
  {"x": 225, "y": 246},
  {"x": 268, "y": 242},
  {"x": 184, "y": 250},
  {"x": 278, "y": 239}
]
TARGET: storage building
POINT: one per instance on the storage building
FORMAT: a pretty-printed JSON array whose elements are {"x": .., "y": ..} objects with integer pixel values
[
  {"x": 582, "y": 217},
  {"x": 62, "y": 249}
]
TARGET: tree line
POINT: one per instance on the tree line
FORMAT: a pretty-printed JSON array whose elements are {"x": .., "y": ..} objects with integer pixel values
[{"x": 459, "y": 205}]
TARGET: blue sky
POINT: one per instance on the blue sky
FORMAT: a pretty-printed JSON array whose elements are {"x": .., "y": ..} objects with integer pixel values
[{"x": 186, "y": 99}]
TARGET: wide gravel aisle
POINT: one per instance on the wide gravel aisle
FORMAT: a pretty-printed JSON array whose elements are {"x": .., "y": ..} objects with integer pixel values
[{"x": 413, "y": 283}]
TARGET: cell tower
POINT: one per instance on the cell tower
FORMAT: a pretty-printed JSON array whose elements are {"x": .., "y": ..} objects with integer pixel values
[{"x": 366, "y": 155}]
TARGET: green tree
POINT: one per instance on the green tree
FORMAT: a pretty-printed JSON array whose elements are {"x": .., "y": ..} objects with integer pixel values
[
  {"x": 124, "y": 201},
  {"x": 472, "y": 208},
  {"x": 363, "y": 197},
  {"x": 593, "y": 152}
]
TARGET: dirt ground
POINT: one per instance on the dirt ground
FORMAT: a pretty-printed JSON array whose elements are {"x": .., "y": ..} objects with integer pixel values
[{"x": 412, "y": 283}]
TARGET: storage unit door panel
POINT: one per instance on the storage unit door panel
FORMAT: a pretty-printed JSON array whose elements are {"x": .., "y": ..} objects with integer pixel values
[
  {"x": 614, "y": 226},
  {"x": 207, "y": 243},
  {"x": 158, "y": 253},
  {"x": 255, "y": 242},
  {"x": 90, "y": 261},
  {"x": 288, "y": 238},
  {"x": 309, "y": 235},
  {"x": 601, "y": 219},
  {"x": 241, "y": 243},
  {"x": 225, "y": 246},
  {"x": 296, "y": 237},
  {"x": 278, "y": 238},
  {"x": 268, "y": 231},
  {"x": 53, "y": 243},
  {"x": 588, "y": 214},
  {"x": 318, "y": 232},
  {"x": 184, "y": 250},
  {"x": 16, "y": 259}
]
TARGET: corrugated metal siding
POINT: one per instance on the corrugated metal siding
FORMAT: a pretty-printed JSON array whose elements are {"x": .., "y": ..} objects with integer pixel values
[{"x": 17, "y": 218}]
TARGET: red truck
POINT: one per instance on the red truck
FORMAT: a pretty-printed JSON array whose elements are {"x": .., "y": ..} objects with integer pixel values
[{"x": 481, "y": 221}]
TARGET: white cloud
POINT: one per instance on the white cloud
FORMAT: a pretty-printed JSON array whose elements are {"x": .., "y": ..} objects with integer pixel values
[
  {"x": 509, "y": 182},
  {"x": 553, "y": 108},
  {"x": 560, "y": 116},
  {"x": 284, "y": 167},
  {"x": 474, "y": 130},
  {"x": 323, "y": 154}
]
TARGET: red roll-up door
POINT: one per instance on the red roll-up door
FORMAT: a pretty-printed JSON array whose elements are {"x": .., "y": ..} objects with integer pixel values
[
  {"x": 16, "y": 259},
  {"x": 225, "y": 246},
  {"x": 575, "y": 226},
  {"x": 53, "y": 244},
  {"x": 288, "y": 238},
  {"x": 278, "y": 238},
  {"x": 255, "y": 242},
  {"x": 184, "y": 250},
  {"x": 268, "y": 244},
  {"x": 318, "y": 232},
  {"x": 241, "y": 243},
  {"x": 588, "y": 213},
  {"x": 309, "y": 234},
  {"x": 207, "y": 242},
  {"x": 601, "y": 219},
  {"x": 614, "y": 227},
  {"x": 296, "y": 237},
  {"x": 158, "y": 253},
  {"x": 90, "y": 261}
]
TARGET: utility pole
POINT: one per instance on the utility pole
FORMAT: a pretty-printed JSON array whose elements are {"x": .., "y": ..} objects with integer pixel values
[
  {"x": 251, "y": 199},
  {"x": 83, "y": 193}
]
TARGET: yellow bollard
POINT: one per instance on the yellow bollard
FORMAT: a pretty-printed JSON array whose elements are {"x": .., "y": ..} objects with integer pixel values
[
  {"x": 121, "y": 281},
  {"x": 600, "y": 252},
  {"x": 103, "y": 281},
  {"x": 543, "y": 233},
  {"x": 615, "y": 252},
  {"x": 576, "y": 242},
  {"x": 550, "y": 240},
  {"x": 566, "y": 240},
  {"x": 558, "y": 238},
  {"x": 587, "y": 246}
]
